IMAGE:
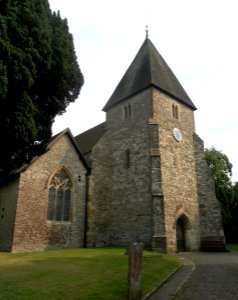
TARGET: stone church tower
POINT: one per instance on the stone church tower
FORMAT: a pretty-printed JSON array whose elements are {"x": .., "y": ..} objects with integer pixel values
[{"x": 149, "y": 179}]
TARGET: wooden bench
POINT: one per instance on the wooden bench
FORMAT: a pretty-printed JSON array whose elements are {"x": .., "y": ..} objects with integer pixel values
[{"x": 213, "y": 246}]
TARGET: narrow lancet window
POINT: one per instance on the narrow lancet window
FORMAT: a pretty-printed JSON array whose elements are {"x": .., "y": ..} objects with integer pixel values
[
  {"x": 175, "y": 111},
  {"x": 128, "y": 162},
  {"x": 127, "y": 111}
]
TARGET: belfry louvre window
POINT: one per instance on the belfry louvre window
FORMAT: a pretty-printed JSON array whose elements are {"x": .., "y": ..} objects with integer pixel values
[{"x": 59, "y": 197}]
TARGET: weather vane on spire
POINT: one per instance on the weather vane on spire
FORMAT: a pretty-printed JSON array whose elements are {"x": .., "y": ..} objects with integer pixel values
[{"x": 146, "y": 31}]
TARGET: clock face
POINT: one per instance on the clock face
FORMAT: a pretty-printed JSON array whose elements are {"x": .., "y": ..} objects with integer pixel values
[{"x": 177, "y": 134}]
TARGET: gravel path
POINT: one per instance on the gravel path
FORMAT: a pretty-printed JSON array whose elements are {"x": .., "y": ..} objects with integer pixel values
[{"x": 204, "y": 276}]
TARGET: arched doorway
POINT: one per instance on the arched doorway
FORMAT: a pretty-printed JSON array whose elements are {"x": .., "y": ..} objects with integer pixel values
[{"x": 181, "y": 235}]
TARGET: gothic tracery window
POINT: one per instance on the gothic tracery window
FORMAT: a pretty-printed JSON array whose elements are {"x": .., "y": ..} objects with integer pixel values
[{"x": 59, "y": 197}]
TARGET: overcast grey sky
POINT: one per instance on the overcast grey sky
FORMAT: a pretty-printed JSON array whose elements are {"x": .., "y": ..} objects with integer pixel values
[{"x": 197, "y": 38}]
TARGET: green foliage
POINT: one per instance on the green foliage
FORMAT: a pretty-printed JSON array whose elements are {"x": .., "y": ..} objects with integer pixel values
[
  {"x": 77, "y": 274},
  {"x": 221, "y": 166},
  {"x": 39, "y": 77},
  {"x": 226, "y": 191}
]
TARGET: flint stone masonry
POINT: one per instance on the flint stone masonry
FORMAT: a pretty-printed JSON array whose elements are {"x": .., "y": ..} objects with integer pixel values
[
  {"x": 120, "y": 199},
  {"x": 164, "y": 180},
  {"x": 209, "y": 206},
  {"x": 177, "y": 167}
]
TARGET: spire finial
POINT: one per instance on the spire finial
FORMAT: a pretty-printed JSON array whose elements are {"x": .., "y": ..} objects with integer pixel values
[{"x": 146, "y": 31}]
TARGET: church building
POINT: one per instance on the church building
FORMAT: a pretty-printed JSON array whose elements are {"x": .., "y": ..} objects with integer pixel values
[{"x": 139, "y": 176}]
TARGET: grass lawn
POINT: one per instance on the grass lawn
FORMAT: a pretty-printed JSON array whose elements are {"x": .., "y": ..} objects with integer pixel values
[
  {"x": 77, "y": 274},
  {"x": 232, "y": 247}
]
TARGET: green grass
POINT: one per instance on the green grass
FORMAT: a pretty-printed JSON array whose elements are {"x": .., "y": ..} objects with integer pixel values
[
  {"x": 232, "y": 247},
  {"x": 77, "y": 274}
]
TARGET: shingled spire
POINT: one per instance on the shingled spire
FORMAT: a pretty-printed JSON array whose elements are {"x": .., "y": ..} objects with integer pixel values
[{"x": 148, "y": 69}]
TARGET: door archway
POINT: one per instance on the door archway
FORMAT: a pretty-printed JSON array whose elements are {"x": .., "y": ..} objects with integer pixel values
[{"x": 181, "y": 235}]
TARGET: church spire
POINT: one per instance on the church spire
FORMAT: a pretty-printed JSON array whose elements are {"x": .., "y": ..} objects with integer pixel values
[{"x": 148, "y": 69}]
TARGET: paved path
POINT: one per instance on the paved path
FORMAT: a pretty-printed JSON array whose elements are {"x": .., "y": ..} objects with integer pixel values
[{"x": 204, "y": 276}]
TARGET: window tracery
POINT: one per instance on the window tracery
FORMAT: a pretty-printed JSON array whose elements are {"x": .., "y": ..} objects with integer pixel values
[{"x": 59, "y": 197}]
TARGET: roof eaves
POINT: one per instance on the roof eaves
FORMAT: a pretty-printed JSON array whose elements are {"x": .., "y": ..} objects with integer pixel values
[
  {"x": 81, "y": 156},
  {"x": 192, "y": 106},
  {"x": 125, "y": 98},
  {"x": 53, "y": 140}
]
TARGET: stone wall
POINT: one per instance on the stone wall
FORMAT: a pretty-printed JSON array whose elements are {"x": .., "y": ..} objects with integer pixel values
[
  {"x": 32, "y": 230},
  {"x": 99, "y": 207},
  {"x": 143, "y": 179},
  {"x": 120, "y": 195},
  {"x": 8, "y": 200},
  {"x": 178, "y": 172},
  {"x": 210, "y": 210}
]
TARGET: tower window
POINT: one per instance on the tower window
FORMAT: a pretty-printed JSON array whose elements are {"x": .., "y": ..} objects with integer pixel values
[
  {"x": 59, "y": 197},
  {"x": 127, "y": 111},
  {"x": 128, "y": 162},
  {"x": 175, "y": 111}
]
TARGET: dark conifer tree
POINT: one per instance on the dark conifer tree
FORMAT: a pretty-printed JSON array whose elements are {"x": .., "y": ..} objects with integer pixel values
[{"x": 39, "y": 77}]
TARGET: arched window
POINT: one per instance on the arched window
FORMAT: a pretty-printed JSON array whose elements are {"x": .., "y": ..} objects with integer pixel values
[
  {"x": 59, "y": 197},
  {"x": 127, "y": 111}
]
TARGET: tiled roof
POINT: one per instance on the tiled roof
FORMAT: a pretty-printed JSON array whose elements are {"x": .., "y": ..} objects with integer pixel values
[
  {"x": 89, "y": 138},
  {"x": 52, "y": 141},
  {"x": 148, "y": 69}
]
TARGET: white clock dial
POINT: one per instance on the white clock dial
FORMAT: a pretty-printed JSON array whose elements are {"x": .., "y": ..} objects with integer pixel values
[{"x": 177, "y": 134}]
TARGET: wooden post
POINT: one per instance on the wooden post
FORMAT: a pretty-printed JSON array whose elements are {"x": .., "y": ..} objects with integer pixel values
[{"x": 134, "y": 272}]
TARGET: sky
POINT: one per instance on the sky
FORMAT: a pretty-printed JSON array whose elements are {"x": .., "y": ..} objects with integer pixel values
[{"x": 197, "y": 39}]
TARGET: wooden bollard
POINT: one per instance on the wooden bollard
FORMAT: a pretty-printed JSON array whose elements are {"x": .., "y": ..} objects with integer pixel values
[{"x": 135, "y": 270}]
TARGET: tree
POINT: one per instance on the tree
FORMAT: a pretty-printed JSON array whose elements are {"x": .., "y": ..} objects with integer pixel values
[
  {"x": 226, "y": 192},
  {"x": 39, "y": 77}
]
